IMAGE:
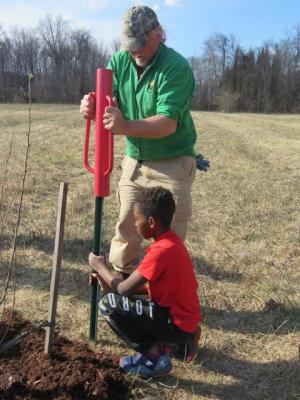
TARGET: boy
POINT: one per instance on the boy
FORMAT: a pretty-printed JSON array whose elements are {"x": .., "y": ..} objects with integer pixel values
[{"x": 173, "y": 313}]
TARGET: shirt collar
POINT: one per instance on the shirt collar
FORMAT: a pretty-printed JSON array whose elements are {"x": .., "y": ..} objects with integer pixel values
[{"x": 165, "y": 235}]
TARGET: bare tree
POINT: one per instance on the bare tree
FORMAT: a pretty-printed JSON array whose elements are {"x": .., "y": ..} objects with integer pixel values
[
  {"x": 54, "y": 34},
  {"x": 217, "y": 56},
  {"x": 115, "y": 45}
]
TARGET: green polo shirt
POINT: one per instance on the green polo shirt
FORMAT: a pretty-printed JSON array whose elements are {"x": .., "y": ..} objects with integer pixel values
[{"x": 165, "y": 88}]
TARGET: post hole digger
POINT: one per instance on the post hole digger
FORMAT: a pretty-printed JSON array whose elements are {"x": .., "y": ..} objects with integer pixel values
[
  {"x": 103, "y": 165},
  {"x": 102, "y": 169}
]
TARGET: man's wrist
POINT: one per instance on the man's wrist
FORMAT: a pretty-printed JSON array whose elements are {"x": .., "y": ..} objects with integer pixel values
[{"x": 126, "y": 127}]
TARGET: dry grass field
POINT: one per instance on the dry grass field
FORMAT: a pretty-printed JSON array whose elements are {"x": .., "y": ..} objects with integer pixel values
[{"x": 244, "y": 239}]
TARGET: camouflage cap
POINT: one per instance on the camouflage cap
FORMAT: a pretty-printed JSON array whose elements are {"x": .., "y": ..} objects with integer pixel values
[{"x": 138, "y": 22}]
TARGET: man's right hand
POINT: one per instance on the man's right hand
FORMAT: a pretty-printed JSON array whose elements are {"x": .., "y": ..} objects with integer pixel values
[{"x": 88, "y": 106}]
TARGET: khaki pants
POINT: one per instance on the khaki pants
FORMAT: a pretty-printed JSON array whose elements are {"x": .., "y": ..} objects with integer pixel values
[{"x": 177, "y": 175}]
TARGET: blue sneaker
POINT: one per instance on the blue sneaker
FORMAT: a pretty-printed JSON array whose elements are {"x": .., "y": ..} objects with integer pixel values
[{"x": 140, "y": 365}]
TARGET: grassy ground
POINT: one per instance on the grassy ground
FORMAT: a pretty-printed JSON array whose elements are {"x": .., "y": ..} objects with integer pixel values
[{"x": 244, "y": 239}]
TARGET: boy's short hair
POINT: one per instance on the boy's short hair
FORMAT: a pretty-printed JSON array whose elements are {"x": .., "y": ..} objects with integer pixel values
[{"x": 157, "y": 202}]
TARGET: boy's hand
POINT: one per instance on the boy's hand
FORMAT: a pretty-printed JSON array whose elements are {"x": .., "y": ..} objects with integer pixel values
[
  {"x": 97, "y": 262},
  {"x": 94, "y": 277}
]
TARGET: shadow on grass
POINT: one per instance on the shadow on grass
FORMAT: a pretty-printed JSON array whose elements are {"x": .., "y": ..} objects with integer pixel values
[
  {"x": 77, "y": 250},
  {"x": 273, "y": 319},
  {"x": 73, "y": 282},
  {"x": 278, "y": 320},
  {"x": 74, "y": 250},
  {"x": 217, "y": 274},
  {"x": 274, "y": 380}
]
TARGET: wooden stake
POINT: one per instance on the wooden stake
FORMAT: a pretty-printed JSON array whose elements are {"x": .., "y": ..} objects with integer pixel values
[{"x": 62, "y": 202}]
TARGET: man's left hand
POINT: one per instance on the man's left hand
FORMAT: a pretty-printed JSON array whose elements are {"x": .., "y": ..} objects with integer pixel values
[{"x": 114, "y": 121}]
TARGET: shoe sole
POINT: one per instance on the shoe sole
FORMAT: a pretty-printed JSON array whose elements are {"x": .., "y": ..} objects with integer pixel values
[{"x": 156, "y": 375}]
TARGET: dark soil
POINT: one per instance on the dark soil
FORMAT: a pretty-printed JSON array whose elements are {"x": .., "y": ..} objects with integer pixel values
[{"x": 73, "y": 371}]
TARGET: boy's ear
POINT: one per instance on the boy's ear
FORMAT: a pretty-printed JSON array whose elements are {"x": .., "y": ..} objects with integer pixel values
[{"x": 152, "y": 222}]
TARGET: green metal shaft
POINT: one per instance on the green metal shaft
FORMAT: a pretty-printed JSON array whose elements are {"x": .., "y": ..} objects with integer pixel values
[{"x": 96, "y": 250}]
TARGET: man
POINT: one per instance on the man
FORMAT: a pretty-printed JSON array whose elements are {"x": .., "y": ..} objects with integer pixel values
[{"x": 153, "y": 86}]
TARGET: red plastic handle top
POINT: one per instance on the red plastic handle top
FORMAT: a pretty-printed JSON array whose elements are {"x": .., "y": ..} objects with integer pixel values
[
  {"x": 110, "y": 143},
  {"x": 104, "y": 141}
]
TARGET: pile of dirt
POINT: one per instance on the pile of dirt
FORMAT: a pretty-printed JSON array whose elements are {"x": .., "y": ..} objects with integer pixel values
[{"x": 73, "y": 371}]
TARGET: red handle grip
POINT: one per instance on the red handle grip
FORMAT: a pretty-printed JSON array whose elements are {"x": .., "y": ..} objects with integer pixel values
[
  {"x": 110, "y": 143},
  {"x": 87, "y": 146}
]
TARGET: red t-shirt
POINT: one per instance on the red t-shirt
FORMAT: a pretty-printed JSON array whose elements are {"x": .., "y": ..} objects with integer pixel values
[{"x": 168, "y": 268}]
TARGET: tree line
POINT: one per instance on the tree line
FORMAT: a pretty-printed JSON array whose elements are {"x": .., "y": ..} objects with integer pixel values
[
  {"x": 229, "y": 78},
  {"x": 62, "y": 60},
  {"x": 265, "y": 79}
]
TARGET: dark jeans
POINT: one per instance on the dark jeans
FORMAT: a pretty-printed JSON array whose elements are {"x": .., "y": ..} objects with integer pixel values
[{"x": 140, "y": 323}]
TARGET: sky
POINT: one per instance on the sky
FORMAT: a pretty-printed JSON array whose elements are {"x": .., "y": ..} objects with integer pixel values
[{"x": 188, "y": 23}]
